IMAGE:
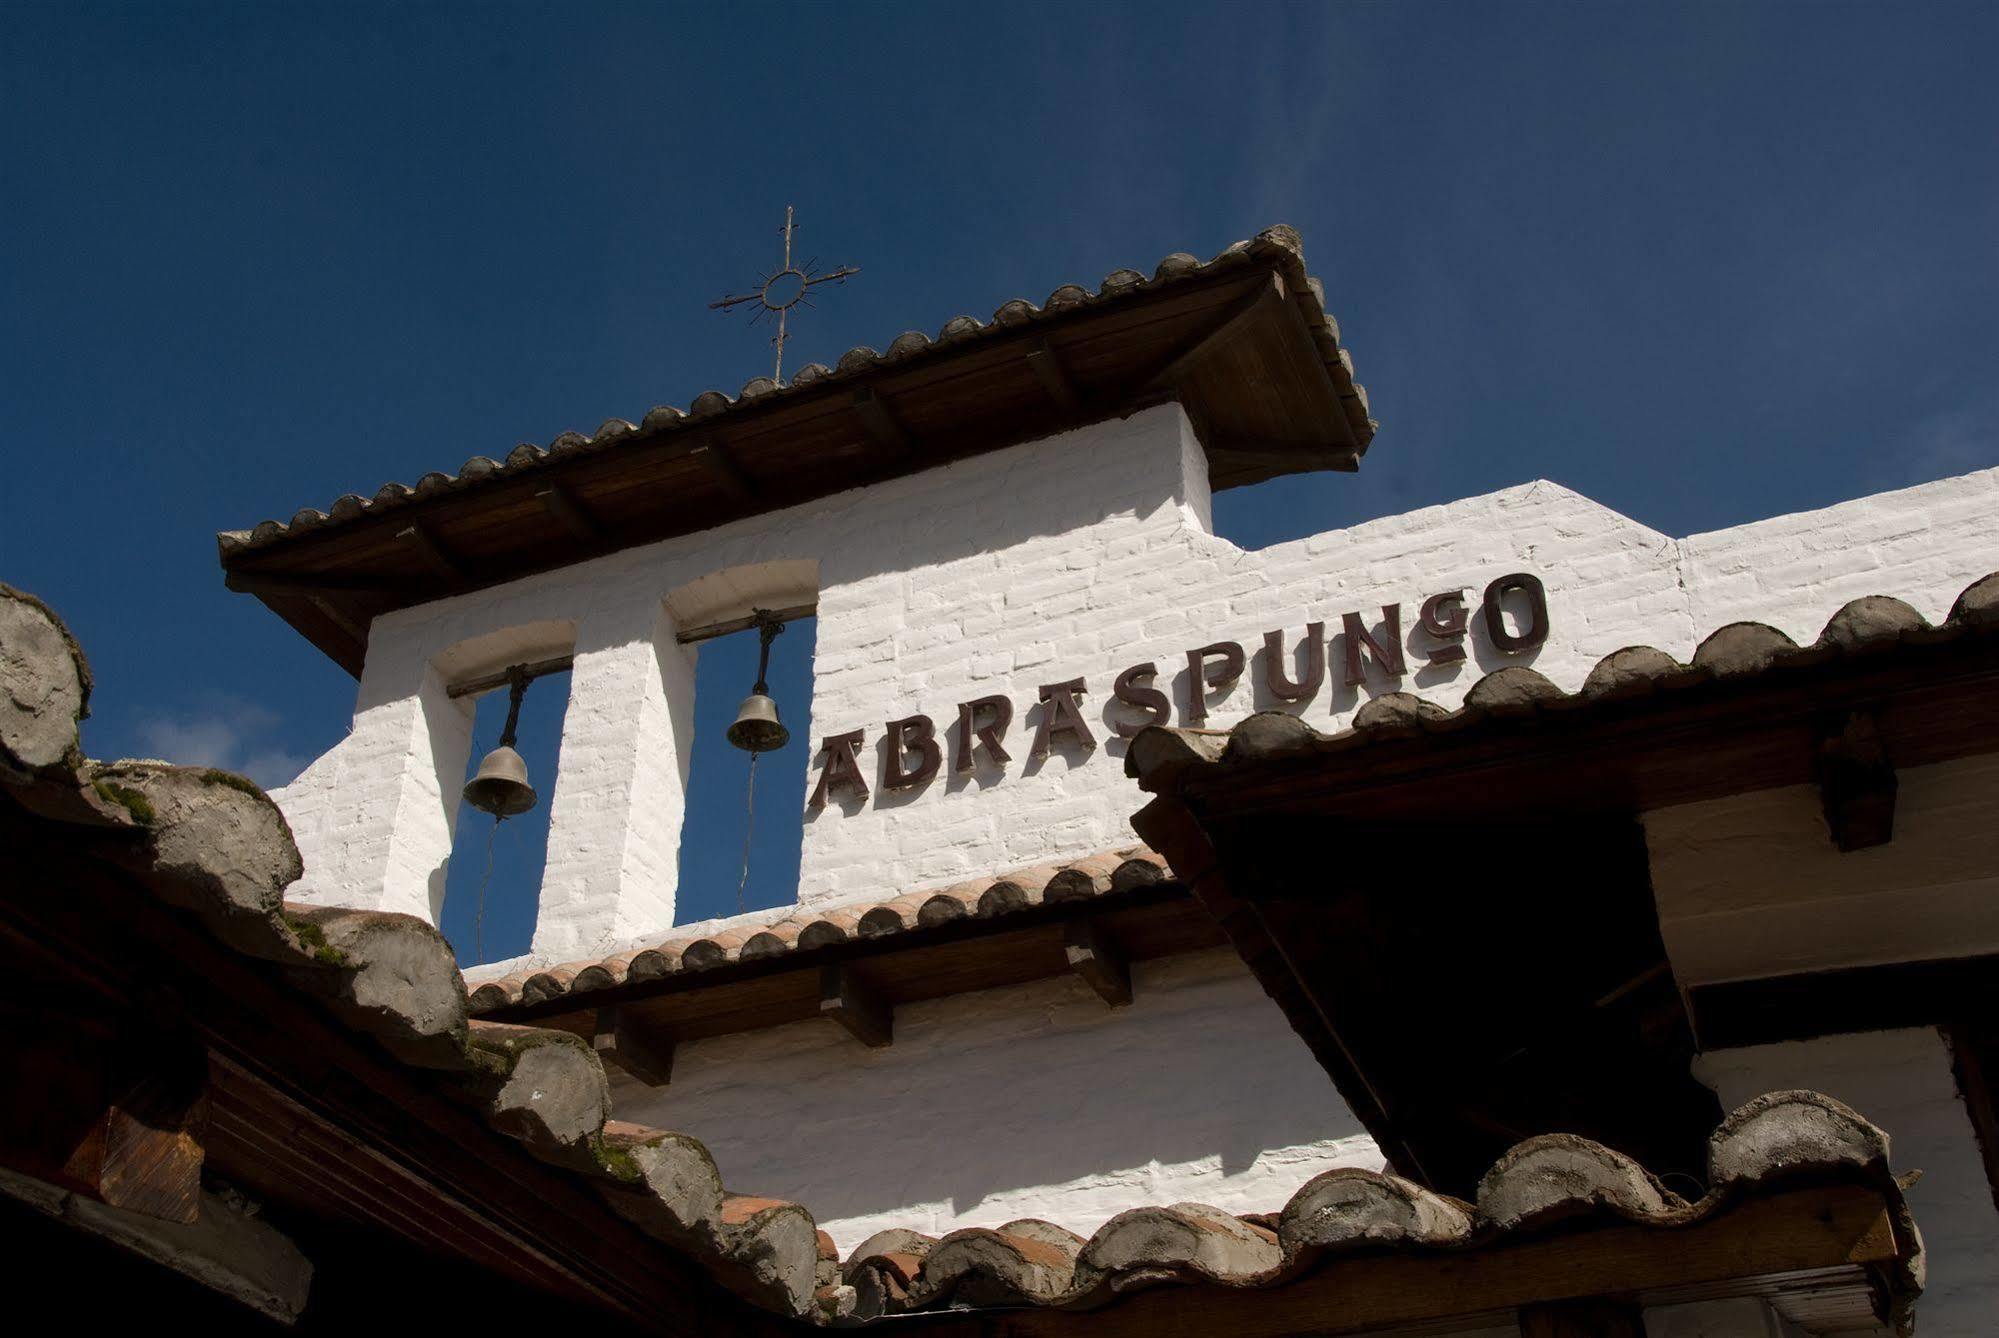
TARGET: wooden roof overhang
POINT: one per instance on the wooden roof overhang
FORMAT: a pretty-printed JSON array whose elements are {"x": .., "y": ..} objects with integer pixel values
[
  {"x": 1831, "y": 1257},
  {"x": 1242, "y": 342},
  {"x": 1455, "y": 908},
  {"x": 337, "y": 1140},
  {"x": 860, "y": 982}
]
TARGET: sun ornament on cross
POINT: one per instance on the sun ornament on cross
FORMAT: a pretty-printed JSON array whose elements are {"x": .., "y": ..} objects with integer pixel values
[{"x": 790, "y": 285}]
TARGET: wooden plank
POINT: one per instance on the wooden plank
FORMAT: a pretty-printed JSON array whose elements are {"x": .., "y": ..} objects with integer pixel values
[
  {"x": 627, "y": 1044},
  {"x": 1974, "y": 1047},
  {"x": 863, "y": 1014},
  {"x": 880, "y": 423},
  {"x": 417, "y": 537},
  {"x": 1806, "y": 1240},
  {"x": 721, "y": 464},
  {"x": 1230, "y": 455},
  {"x": 1582, "y": 1319},
  {"x": 1258, "y": 306},
  {"x": 1856, "y": 782},
  {"x": 1048, "y": 370},
  {"x": 709, "y": 631},
  {"x": 1827, "y": 1003},
  {"x": 118, "y": 1114},
  {"x": 488, "y": 682},
  {"x": 1102, "y": 967},
  {"x": 562, "y": 504}
]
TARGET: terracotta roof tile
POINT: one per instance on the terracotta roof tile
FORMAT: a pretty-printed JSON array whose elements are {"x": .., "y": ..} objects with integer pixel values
[
  {"x": 391, "y": 977},
  {"x": 803, "y": 929},
  {"x": 1281, "y": 243},
  {"x": 1164, "y": 759}
]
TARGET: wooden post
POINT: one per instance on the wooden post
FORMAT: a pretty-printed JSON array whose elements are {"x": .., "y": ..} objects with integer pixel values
[
  {"x": 1102, "y": 967},
  {"x": 628, "y": 1045},
  {"x": 1856, "y": 782},
  {"x": 868, "y": 1018}
]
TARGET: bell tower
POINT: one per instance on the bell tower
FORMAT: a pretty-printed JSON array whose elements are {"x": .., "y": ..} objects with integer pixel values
[{"x": 994, "y": 516}]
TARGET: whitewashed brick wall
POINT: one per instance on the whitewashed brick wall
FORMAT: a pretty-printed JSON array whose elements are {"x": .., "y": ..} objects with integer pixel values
[
  {"x": 1073, "y": 557},
  {"x": 1031, "y": 1101}
]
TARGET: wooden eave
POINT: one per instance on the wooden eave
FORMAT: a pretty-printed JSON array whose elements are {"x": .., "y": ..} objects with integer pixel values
[
  {"x": 1245, "y": 349},
  {"x": 1700, "y": 740},
  {"x": 311, "y": 1120},
  {"x": 957, "y": 957},
  {"x": 1821, "y": 1255}
]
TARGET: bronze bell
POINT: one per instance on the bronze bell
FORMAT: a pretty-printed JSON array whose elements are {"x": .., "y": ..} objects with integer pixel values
[
  {"x": 501, "y": 787},
  {"x": 757, "y": 728}
]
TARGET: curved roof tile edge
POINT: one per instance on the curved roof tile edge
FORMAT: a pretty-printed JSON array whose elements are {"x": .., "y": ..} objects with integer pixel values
[
  {"x": 392, "y": 977},
  {"x": 1280, "y": 244},
  {"x": 1164, "y": 760},
  {"x": 796, "y": 929}
]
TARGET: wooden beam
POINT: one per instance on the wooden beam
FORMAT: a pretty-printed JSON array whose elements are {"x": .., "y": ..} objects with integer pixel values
[
  {"x": 499, "y": 679},
  {"x": 1295, "y": 319},
  {"x": 304, "y": 586},
  {"x": 628, "y": 1045},
  {"x": 119, "y": 1115},
  {"x": 1830, "y": 1241},
  {"x": 1295, "y": 459},
  {"x": 1582, "y": 1319},
  {"x": 338, "y": 617},
  {"x": 879, "y": 422},
  {"x": 1856, "y": 782},
  {"x": 562, "y": 504},
  {"x": 420, "y": 541},
  {"x": 867, "y": 1018},
  {"x": 1828, "y": 1003},
  {"x": 1259, "y": 305},
  {"x": 709, "y": 631},
  {"x": 1102, "y": 967},
  {"x": 1046, "y": 364},
  {"x": 722, "y": 466},
  {"x": 1974, "y": 1048}
]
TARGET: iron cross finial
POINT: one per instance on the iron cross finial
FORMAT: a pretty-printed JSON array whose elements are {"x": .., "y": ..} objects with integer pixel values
[{"x": 782, "y": 289}]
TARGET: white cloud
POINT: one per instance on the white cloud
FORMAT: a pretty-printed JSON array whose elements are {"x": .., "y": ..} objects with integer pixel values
[{"x": 229, "y": 734}]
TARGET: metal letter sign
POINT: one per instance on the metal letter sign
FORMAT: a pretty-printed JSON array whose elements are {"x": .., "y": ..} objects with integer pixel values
[{"x": 914, "y": 754}]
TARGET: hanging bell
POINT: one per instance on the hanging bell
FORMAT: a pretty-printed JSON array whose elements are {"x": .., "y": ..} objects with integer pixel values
[
  {"x": 757, "y": 728},
  {"x": 501, "y": 787}
]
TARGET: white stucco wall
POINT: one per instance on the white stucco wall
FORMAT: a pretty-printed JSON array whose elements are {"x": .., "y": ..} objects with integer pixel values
[
  {"x": 1031, "y": 1101},
  {"x": 1902, "y": 1081},
  {"x": 1076, "y": 557},
  {"x": 1750, "y": 885},
  {"x": 1072, "y": 557}
]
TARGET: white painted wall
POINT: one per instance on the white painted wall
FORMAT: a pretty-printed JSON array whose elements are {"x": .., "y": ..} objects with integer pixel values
[
  {"x": 1751, "y": 885},
  {"x": 1071, "y": 557},
  {"x": 1902, "y": 1081},
  {"x": 1031, "y": 1101}
]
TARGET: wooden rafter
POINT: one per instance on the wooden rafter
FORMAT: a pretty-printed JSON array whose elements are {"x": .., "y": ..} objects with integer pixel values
[
  {"x": 627, "y": 1044},
  {"x": 727, "y": 471},
  {"x": 861, "y": 1013},
  {"x": 1047, "y": 366},
  {"x": 560, "y": 503},
  {"x": 1259, "y": 305},
  {"x": 419, "y": 540}
]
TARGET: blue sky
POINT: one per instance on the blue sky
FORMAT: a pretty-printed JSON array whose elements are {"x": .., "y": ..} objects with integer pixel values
[{"x": 1703, "y": 262}]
